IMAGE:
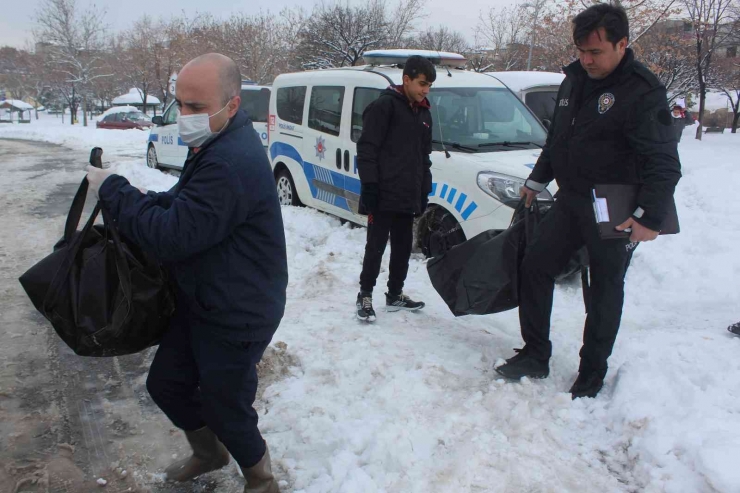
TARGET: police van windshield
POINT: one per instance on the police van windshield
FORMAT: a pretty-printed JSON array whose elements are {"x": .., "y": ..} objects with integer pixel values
[
  {"x": 482, "y": 119},
  {"x": 256, "y": 103}
]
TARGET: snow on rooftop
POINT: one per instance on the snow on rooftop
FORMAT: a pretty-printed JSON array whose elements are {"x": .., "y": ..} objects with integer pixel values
[
  {"x": 17, "y": 104},
  {"x": 134, "y": 96}
]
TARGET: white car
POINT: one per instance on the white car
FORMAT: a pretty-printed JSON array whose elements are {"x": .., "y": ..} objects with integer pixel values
[
  {"x": 538, "y": 90},
  {"x": 165, "y": 148},
  {"x": 486, "y": 142}
]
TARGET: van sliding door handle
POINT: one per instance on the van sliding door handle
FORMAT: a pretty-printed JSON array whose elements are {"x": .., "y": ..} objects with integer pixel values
[
  {"x": 346, "y": 160},
  {"x": 339, "y": 159}
]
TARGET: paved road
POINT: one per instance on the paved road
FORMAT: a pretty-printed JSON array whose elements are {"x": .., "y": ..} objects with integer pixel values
[{"x": 66, "y": 421}]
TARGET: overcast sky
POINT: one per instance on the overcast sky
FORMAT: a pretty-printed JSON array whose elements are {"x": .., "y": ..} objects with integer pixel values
[{"x": 16, "y": 29}]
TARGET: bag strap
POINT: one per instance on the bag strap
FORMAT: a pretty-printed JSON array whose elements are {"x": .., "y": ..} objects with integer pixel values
[
  {"x": 75, "y": 210},
  {"x": 586, "y": 285},
  {"x": 124, "y": 272},
  {"x": 73, "y": 248}
]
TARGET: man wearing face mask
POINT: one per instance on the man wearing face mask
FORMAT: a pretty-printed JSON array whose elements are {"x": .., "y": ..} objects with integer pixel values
[
  {"x": 219, "y": 233},
  {"x": 611, "y": 125}
]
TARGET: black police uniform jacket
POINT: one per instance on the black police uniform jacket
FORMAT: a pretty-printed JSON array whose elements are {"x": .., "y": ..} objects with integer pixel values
[
  {"x": 219, "y": 232},
  {"x": 615, "y": 130},
  {"x": 393, "y": 151}
]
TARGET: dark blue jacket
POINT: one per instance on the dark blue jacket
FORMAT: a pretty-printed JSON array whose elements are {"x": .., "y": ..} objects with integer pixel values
[{"x": 219, "y": 232}]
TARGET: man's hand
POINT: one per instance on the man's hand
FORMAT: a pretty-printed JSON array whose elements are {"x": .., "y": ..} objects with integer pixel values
[
  {"x": 639, "y": 232},
  {"x": 95, "y": 178},
  {"x": 529, "y": 194}
]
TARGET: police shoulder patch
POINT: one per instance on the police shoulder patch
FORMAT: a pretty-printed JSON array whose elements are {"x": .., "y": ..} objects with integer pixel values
[{"x": 606, "y": 101}]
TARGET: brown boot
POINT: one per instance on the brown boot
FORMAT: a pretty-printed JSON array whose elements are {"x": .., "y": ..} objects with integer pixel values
[
  {"x": 259, "y": 477},
  {"x": 209, "y": 454}
]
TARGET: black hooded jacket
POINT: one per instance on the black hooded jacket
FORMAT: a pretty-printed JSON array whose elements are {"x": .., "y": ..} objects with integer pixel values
[
  {"x": 393, "y": 151},
  {"x": 615, "y": 130}
]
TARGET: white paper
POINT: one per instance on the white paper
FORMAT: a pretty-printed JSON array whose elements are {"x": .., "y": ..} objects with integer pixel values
[{"x": 601, "y": 210}]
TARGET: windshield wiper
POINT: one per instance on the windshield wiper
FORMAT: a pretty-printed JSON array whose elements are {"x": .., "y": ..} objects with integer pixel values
[
  {"x": 455, "y": 145},
  {"x": 509, "y": 144}
]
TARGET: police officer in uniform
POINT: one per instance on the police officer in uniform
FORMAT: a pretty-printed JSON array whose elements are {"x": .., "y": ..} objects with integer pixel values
[{"x": 611, "y": 125}]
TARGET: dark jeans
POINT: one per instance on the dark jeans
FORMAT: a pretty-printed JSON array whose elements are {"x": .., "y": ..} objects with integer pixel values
[
  {"x": 380, "y": 225},
  {"x": 568, "y": 226},
  {"x": 198, "y": 379}
]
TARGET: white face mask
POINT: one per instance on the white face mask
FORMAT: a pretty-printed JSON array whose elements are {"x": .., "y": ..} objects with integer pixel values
[{"x": 195, "y": 129}]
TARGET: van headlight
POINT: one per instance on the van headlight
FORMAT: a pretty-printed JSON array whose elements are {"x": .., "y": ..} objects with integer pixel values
[{"x": 505, "y": 188}]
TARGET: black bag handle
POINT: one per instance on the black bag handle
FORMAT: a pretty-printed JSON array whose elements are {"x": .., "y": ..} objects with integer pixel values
[{"x": 73, "y": 248}]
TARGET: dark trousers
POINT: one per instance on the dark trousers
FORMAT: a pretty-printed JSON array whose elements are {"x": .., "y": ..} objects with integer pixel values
[
  {"x": 200, "y": 380},
  {"x": 568, "y": 226},
  {"x": 380, "y": 225}
]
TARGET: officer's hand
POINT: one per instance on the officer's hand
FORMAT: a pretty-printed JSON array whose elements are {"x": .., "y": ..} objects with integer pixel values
[
  {"x": 95, "y": 178},
  {"x": 529, "y": 194},
  {"x": 639, "y": 232}
]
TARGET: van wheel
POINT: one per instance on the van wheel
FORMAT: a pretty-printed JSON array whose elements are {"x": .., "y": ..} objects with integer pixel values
[
  {"x": 151, "y": 157},
  {"x": 437, "y": 231},
  {"x": 286, "y": 191}
]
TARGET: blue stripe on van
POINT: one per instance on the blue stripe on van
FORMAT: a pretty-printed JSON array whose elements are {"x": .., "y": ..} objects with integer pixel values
[
  {"x": 451, "y": 196},
  {"x": 153, "y": 137},
  {"x": 460, "y": 202},
  {"x": 444, "y": 191},
  {"x": 469, "y": 210},
  {"x": 434, "y": 190}
]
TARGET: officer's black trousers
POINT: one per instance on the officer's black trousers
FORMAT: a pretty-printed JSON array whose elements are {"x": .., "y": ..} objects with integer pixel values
[
  {"x": 568, "y": 226},
  {"x": 380, "y": 225},
  {"x": 200, "y": 380}
]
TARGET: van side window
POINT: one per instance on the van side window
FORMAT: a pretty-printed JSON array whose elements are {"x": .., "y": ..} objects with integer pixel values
[
  {"x": 325, "y": 109},
  {"x": 290, "y": 101},
  {"x": 363, "y": 97},
  {"x": 256, "y": 103},
  {"x": 171, "y": 116}
]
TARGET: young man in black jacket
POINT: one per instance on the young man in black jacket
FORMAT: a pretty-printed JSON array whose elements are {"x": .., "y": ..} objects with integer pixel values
[
  {"x": 394, "y": 166},
  {"x": 611, "y": 125}
]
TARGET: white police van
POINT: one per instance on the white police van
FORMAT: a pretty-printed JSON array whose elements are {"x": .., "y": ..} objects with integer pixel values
[
  {"x": 486, "y": 142},
  {"x": 538, "y": 90},
  {"x": 165, "y": 149}
]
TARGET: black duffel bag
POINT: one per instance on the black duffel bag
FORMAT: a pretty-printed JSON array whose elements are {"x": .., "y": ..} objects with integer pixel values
[
  {"x": 102, "y": 296},
  {"x": 481, "y": 275}
]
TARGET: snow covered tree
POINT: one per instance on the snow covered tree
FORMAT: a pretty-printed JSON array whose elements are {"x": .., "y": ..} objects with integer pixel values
[
  {"x": 504, "y": 31},
  {"x": 441, "y": 39},
  {"x": 74, "y": 41},
  {"x": 337, "y": 35},
  {"x": 136, "y": 64},
  {"x": 707, "y": 19},
  {"x": 725, "y": 78}
]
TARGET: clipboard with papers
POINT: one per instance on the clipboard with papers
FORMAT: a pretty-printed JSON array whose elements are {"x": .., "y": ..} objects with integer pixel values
[{"x": 615, "y": 203}]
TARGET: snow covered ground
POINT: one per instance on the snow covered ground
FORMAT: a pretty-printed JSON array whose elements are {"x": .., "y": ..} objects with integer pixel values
[{"x": 411, "y": 404}]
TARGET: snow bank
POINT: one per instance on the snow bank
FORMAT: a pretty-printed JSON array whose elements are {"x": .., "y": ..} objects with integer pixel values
[
  {"x": 411, "y": 403},
  {"x": 49, "y": 128}
]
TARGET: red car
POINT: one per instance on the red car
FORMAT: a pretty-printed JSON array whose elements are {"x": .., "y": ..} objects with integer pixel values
[{"x": 122, "y": 121}]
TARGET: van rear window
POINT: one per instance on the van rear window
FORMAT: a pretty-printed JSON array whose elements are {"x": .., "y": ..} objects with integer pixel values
[
  {"x": 256, "y": 103},
  {"x": 325, "y": 109},
  {"x": 290, "y": 102}
]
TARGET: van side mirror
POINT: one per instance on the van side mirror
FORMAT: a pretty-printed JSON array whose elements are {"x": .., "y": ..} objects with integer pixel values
[
  {"x": 546, "y": 123},
  {"x": 157, "y": 120}
]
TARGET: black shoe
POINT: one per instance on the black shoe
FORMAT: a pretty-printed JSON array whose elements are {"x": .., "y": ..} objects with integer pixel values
[
  {"x": 394, "y": 303},
  {"x": 365, "y": 307},
  {"x": 734, "y": 329},
  {"x": 587, "y": 384},
  {"x": 524, "y": 365}
]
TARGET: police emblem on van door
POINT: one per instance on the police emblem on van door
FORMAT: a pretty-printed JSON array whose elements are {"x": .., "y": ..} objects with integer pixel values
[
  {"x": 606, "y": 101},
  {"x": 320, "y": 147}
]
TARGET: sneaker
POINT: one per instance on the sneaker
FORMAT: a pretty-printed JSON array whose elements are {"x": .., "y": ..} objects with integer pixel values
[
  {"x": 588, "y": 384},
  {"x": 365, "y": 310},
  {"x": 524, "y": 365},
  {"x": 394, "y": 303},
  {"x": 734, "y": 329}
]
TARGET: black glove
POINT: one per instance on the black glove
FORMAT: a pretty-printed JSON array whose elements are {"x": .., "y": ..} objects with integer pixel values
[{"x": 369, "y": 198}]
